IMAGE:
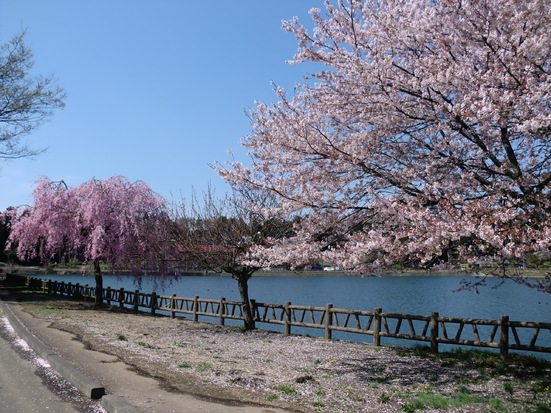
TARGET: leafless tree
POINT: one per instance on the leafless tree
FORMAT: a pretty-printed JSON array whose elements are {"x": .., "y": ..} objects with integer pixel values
[
  {"x": 217, "y": 234},
  {"x": 26, "y": 100}
]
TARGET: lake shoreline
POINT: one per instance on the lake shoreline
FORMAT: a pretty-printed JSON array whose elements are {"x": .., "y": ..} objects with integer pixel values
[{"x": 528, "y": 273}]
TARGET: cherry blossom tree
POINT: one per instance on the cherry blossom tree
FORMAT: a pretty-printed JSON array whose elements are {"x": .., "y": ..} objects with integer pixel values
[
  {"x": 425, "y": 138},
  {"x": 109, "y": 221}
]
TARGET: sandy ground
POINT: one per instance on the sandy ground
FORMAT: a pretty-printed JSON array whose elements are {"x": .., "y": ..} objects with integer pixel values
[{"x": 297, "y": 373}]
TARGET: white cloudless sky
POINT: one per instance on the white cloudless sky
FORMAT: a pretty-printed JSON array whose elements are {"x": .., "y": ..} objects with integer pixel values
[{"x": 156, "y": 90}]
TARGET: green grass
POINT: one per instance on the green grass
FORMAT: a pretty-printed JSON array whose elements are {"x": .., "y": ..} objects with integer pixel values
[
  {"x": 202, "y": 366},
  {"x": 424, "y": 400},
  {"x": 465, "y": 399},
  {"x": 497, "y": 405},
  {"x": 488, "y": 363},
  {"x": 433, "y": 400},
  {"x": 330, "y": 374},
  {"x": 509, "y": 386},
  {"x": 49, "y": 311},
  {"x": 286, "y": 388},
  {"x": 185, "y": 365},
  {"x": 318, "y": 406},
  {"x": 541, "y": 408},
  {"x": 384, "y": 398}
]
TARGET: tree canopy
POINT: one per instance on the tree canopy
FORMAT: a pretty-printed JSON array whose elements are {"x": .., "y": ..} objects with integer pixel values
[
  {"x": 426, "y": 137},
  {"x": 26, "y": 99},
  {"x": 109, "y": 221}
]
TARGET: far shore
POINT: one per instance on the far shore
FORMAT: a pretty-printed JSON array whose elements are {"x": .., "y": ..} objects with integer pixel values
[{"x": 528, "y": 273}]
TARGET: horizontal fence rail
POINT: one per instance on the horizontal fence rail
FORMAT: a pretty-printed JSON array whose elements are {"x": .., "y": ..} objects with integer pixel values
[{"x": 501, "y": 334}]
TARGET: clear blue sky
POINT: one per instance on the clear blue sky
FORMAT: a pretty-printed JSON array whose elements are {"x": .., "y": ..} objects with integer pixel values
[{"x": 157, "y": 90}]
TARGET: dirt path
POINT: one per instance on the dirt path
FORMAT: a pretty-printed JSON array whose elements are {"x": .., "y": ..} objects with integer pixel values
[{"x": 298, "y": 373}]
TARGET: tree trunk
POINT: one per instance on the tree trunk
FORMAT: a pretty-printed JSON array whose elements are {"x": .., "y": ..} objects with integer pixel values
[
  {"x": 243, "y": 286},
  {"x": 99, "y": 284}
]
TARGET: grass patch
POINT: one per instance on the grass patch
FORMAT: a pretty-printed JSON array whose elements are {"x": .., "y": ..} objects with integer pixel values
[
  {"x": 542, "y": 408},
  {"x": 497, "y": 405},
  {"x": 433, "y": 400},
  {"x": 384, "y": 398},
  {"x": 286, "y": 388},
  {"x": 423, "y": 401},
  {"x": 185, "y": 365},
  {"x": 464, "y": 399},
  {"x": 49, "y": 311},
  {"x": 121, "y": 337},
  {"x": 330, "y": 375},
  {"x": 509, "y": 386},
  {"x": 488, "y": 363},
  {"x": 202, "y": 367},
  {"x": 146, "y": 345},
  {"x": 318, "y": 406}
]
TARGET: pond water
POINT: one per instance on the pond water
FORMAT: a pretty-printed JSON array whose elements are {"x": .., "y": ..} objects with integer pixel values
[{"x": 419, "y": 295}]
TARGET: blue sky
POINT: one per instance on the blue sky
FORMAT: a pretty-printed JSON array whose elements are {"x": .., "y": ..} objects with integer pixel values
[{"x": 157, "y": 90}]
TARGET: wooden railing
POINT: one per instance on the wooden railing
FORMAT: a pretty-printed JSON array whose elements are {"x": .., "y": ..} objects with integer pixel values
[{"x": 432, "y": 329}]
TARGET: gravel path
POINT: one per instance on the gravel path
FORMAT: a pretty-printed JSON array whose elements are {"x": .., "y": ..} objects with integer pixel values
[{"x": 301, "y": 373}]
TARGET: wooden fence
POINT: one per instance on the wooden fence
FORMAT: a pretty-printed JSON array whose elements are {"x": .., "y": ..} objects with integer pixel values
[{"x": 432, "y": 329}]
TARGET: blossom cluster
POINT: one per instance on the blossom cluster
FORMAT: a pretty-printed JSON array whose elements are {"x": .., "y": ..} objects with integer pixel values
[
  {"x": 427, "y": 132},
  {"x": 111, "y": 220}
]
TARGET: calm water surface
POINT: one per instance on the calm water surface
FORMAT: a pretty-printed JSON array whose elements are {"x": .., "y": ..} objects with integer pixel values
[{"x": 420, "y": 295}]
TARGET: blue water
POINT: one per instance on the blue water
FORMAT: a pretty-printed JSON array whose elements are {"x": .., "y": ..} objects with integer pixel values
[{"x": 419, "y": 295}]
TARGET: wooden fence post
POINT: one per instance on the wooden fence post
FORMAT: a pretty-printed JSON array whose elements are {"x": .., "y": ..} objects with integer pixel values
[
  {"x": 172, "y": 305},
  {"x": 121, "y": 298},
  {"x": 195, "y": 308},
  {"x": 328, "y": 321},
  {"x": 253, "y": 308},
  {"x": 136, "y": 300},
  {"x": 222, "y": 311},
  {"x": 153, "y": 302},
  {"x": 287, "y": 310},
  {"x": 377, "y": 327},
  {"x": 49, "y": 286},
  {"x": 504, "y": 336},
  {"x": 108, "y": 295},
  {"x": 434, "y": 333}
]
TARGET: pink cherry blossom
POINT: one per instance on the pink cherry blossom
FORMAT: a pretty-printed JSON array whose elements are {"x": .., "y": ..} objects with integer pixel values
[
  {"x": 425, "y": 138},
  {"x": 112, "y": 221}
]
